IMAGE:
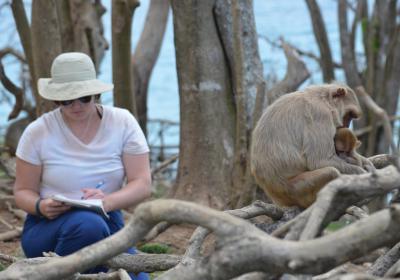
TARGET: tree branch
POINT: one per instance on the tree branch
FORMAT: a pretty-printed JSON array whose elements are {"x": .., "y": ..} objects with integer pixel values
[
  {"x": 262, "y": 253},
  {"x": 326, "y": 61},
  {"x": 14, "y": 90},
  {"x": 345, "y": 191},
  {"x": 370, "y": 104},
  {"x": 296, "y": 74}
]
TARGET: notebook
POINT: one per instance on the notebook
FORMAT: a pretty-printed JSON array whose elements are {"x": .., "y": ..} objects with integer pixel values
[{"x": 95, "y": 205}]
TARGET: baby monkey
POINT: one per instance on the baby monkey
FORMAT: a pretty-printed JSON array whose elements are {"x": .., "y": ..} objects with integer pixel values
[{"x": 346, "y": 144}]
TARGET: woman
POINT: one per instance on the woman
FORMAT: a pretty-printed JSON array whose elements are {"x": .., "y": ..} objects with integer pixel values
[{"x": 81, "y": 150}]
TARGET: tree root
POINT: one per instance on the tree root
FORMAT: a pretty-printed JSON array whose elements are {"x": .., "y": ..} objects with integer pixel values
[{"x": 241, "y": 248}]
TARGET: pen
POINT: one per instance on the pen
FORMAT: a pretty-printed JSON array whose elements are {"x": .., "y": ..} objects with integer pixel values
[{"x": 99, "y": 184}]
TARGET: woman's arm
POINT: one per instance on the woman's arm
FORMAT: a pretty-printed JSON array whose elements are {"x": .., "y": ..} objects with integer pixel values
[
  {"x": 138, "y": 186},
  {"x": 26, "y": 191}
]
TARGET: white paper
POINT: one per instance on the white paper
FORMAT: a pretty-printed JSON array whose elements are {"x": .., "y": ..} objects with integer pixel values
[{"x": 95, "y": 205}]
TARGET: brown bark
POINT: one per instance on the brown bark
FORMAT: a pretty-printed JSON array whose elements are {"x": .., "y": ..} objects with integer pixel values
[
  {"x": 217, "y": 103},
  {"x": 81, "y": 28},
  {"x": 326, "y": 61},
  {"x": 336, "y": 197},
  {"x": 236, "y": 25},
  {"x": 144, "y": 262},
  {"x": 391, "y": 84},
  {"x": 382, "y": 114},
  {"x": 206, "y": 107},
  {"x": 382, "y": 265},
  {"x": 296, "y": 74},
  {"x": 381, "y": 43},
  {"x": 13, "y": 89},
  {"x": 257, "y": 250},
  {"x": 24, "y": 32},
  {"x": 46, "y": 44},
  {"x": 348, "y": 57},
  {"x": 146, "y": 54},
  {"x": 122, "y": 13}
]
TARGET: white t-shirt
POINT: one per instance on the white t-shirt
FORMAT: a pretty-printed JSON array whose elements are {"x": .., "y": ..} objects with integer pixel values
[{"x": 68, "y": 165}]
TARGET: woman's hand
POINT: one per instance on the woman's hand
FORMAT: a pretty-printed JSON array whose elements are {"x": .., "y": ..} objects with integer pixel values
[
  {"x": 92, "y": 193},
  {"x": 51, "y": 209}
]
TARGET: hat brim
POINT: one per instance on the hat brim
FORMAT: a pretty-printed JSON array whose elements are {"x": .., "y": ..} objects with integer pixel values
[{"x": 73, "y": 90}]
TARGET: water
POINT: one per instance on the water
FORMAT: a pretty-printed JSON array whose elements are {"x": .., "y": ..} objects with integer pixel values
[{"x": 274, "y": 18}]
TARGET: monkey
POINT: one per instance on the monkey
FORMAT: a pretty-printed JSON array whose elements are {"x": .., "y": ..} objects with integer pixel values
[
  {"x": 292, "y": 155},
  {"x": 346, "y": 144}
]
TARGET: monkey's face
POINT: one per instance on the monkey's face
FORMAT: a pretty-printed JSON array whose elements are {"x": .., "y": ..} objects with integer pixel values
[
  {"x": 345, "y": 141},
  {"x": 347, "y": 104}
]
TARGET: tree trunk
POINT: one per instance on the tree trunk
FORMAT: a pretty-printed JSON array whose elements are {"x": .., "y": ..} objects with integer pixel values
[
  {"x": 326, "y": 61},
  {"x": 146, "y": 54},
  {"x": 122, "y": 13},
  {"x": 24, "y": 32},
  {"x": 236, "y": 26},
  {"x": 382, "y": 51},
  {"x": 220, "y": 76},
  {"x": 81, "y": 28},
  {"x": 46, "y": 44},
  {"x": 207, "y": 111}
]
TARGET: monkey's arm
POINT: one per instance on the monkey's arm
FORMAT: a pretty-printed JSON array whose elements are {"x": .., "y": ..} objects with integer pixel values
[
  {"x": 366, "y": 163},
  {"x": 350, "y": 159},
  {"x": 341, "y": 165},
  {"x": 319, "y": 146}
]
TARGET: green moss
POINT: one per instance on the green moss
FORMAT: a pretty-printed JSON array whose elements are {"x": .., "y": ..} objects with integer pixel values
[
  {"x": 154, "y": 275},
  {"x": 364, "y": 25},
  {"x": 154, "y": 248},
  {"x": 334, "y": 226},
  {"x": 160, "y": 189}
]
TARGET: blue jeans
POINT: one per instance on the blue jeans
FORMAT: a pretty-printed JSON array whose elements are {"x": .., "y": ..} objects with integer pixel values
[{"x": 70, "y": 232}]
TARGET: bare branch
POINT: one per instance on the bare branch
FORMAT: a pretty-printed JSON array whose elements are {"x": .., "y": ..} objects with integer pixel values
[
  {"x": 394, "y": 271},
  {"x": 13, "y": 89},
  {"x": 122, "y": 13},
  {"x": 367, "y": 100},
  {"x": 361, "y": 131},
  {"x": 382, "y": 265},
  {"x": 300, "y": 51},
  {"x": 146, "y": 54},
  {"x": 164, "y": 164},
  {"x": 326, "y": 61},
  {"x": 256, "y": 209},
  {"x": 263, "y": 253},
  {"x": 11, "y": 234},
  {"x": 7, "y": 258},
  {"x": 144, "y": 262},
  {"x": 296, "y": 74},
  {"x": 348, "y": 57},
  {"x": 24, "y": 32},
  {"x": 342, "y": 192}
]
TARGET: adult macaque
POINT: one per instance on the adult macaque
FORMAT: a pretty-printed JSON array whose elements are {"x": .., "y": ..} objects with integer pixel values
[
  {"x": 292, "y": 154},
  {"x": 346, "y": 144}
]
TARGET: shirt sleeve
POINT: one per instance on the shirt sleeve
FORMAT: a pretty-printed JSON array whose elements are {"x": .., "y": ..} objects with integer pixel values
[
  {"x": 134, "y": 141},
  {"x": 27, "y": 148}
]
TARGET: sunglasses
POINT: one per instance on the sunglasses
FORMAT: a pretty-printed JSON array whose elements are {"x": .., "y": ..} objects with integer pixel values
[{"x": 83, "y": 100}]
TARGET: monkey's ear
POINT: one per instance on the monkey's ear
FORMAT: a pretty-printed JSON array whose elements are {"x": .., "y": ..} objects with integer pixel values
[
  {"x": 340, "y": 92},
  {"x": 358, "y": 144}
]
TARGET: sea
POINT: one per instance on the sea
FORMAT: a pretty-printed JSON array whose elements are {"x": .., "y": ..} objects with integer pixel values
[{"x": 275, "y": 19}]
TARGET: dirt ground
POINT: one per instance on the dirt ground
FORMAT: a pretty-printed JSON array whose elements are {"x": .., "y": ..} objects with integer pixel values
[
  {"x": 177, "y": 239},
  {"x": 10, "y": 247}
]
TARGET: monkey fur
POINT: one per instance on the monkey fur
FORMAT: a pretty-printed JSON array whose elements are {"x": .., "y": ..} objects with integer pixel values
[
  {"x": 292, "y": 152},
  {"x": 346, "y": 144}
]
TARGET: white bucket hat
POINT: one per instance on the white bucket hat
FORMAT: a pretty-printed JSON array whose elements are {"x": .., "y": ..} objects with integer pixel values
[{"x": 72, "y": 76}]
